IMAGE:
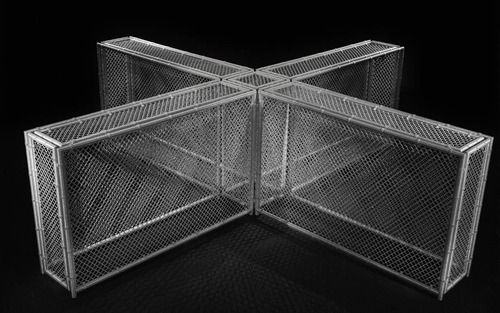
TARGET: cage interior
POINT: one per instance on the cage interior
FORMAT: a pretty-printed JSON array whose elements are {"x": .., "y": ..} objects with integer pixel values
[
  {"x": 133, "y": 195},
  {"x": 144, "y": 177},
  {"x": 382, "y": 198},
  {"x": 128, "y": 77},
  {"x": 375, "y": 79}
]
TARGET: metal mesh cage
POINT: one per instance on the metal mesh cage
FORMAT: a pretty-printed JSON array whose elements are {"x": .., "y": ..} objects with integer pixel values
[
  {"x": 133, "y": 69},
  {"x": 368, "y": 70},
  {"x": 204, "y": 142},
  {"x": 396, "y": 190},
  {"x": 139, "y": 179}
]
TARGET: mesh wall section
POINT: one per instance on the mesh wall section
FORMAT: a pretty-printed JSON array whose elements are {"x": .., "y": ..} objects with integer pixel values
[
  {"x": 407, "y": 125},
  {"x": 126, "y": 77},
  {"x": 376, "y": 79},
  {"x": 462, "y": 253},
  {"x": 133, "y": 69},
  {"x": 374, "y": 182},
  {"x": 220, "y": 69},
  {"x": 103, "y": 121},
  {"x": 142, "y": 178},
  {"x": 45, "y": 196},
  {"x": 187, "y": 143},
  {"x": 368, "y": 70}
]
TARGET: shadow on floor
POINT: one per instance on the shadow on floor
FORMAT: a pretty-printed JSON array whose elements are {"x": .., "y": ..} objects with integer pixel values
[{"x": 250, "y": 265}]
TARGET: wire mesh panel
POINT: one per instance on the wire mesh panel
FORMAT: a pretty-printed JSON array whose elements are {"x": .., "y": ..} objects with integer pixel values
[
  {"x": 369, "y": 70},
  {"x": 133, "y": 69},
  {"x": 142, "y": 178},
  {"x": 257, "y": 79},
  {"x": 210, "y": 141},
  {"x": 380, "y": 184},
  {"x": 46, "y": 208}
]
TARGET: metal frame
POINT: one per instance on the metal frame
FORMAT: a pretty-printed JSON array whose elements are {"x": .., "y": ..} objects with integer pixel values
[
  {"x": 332, "y": 67},
  {"x": 477, "y": 141},
  {"x": 57, "y": 147},
  {"x": 271, "y": 68},
  {"x": 131, "y": 54},
  {"x": 237, "y": 68},
  {"x": 479, "y": 203},
  {"x": 258, "y": 95},
  {"x": 274, "y": 79}
]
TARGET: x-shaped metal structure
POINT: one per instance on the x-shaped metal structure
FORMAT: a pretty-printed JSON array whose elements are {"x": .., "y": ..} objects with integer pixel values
[{"x": 185, "y": 143}]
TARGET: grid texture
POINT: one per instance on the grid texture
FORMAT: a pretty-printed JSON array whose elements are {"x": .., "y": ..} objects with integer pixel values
[
  {"x": 352, "y": 80},
  {"x": 123, "y": 116},
  {"x": 468, "y": 210},
  {"x": 47, "y": 197},
  {"x": 375, "y": 80},
  {"x": 135, "y": 180},
  {"x": 409, "y": 125},
  {"x": 372, "y": 194},
  {"x": 114, "y": 78},
  {"x": 132, "y": 195},
  {"x": 301, "y": 66},
  {"x": 178, "y": 57},
  {"x": 126, "y": 78}
]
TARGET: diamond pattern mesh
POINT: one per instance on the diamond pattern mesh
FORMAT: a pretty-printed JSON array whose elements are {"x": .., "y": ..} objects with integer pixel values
[
  {"x": 47, "y": 197},
  {"x": 351, "y": 80},
  {"x": 142, "y": 178},
  {"x": 379, "y": 116},
  {"x": 119, "y": 117},
  {"x": 115, "y": 78},
  {"x": 127, "y": 78},
  {"x": 302, "y": 66},
  {"x": 469, "y": 209},
  {"x": 132, "y": 195},
  {"x": 375, "y": 80},
  {"x": 385, "y": 77},
  {"x": 178, "y": 57},
  {"x": 370, "y": 193}
]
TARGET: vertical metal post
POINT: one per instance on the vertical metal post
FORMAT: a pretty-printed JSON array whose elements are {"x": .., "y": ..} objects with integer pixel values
[
  {"x": 475, "y": 225},
  {"x": 398, "y": 78},
  {"x": 35, "y": 202},
  {"x": 368, "y": 80},
  {"x": 102, "y": 79},
  {"x": 130, "y": 79},
  {"x": 259, "y": 121},
  {"x": 219, "y": 161},
  {"x": 252, "y": 155},
  {"x": 284, "y": 157},
  {"x": 67, "y": 242},
  {"x": 452, "y": 230}
]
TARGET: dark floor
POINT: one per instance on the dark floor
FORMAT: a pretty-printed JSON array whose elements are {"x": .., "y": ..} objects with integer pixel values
[{"x": 252, "y": 265}]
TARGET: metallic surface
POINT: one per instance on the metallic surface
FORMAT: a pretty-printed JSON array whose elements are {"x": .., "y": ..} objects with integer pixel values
[
  {"x": 187, "y": 143},
  {"x": 369, "y": 70},
  {"x": 396, "y": 190}
]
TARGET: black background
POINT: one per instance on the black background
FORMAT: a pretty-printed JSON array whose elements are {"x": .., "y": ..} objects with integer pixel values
[{"x": 451, "y": 74}]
